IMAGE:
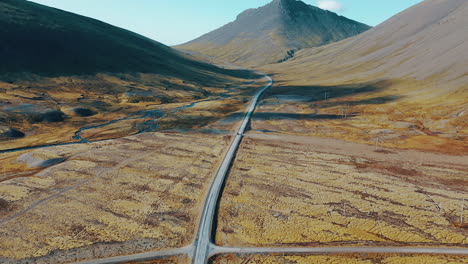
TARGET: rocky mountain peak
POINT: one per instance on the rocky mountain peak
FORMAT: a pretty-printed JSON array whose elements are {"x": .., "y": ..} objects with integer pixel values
[{"x": 269, "y": 33}]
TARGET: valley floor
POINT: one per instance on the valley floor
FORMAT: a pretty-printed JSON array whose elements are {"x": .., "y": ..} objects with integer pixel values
[
  {"x": 286, "y": 188},
  {"x": 340, "y": 259},
  {"x": 110, "y": 198},
  {"x": 143, "y": 193},
  {"x": 304, "y": 191}
]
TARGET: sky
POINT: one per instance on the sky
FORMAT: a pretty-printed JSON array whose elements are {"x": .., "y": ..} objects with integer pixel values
[{"x": 178, "y": 21}]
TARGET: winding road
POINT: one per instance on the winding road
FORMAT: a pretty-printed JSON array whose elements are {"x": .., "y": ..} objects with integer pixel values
[{"x": 203, "y": 247}]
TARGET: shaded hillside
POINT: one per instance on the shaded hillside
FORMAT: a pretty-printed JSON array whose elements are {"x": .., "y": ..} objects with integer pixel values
[
  {"x": 436, "y": 43},
  {"x": 71, "y": 74},
  {"x": 416, "y": 63},
  {"x": 42, "y": 40},
  {"x": 274, "y": 32}
]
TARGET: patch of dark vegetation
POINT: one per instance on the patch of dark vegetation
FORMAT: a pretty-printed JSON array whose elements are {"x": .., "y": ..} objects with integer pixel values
[
  {"x": 77, "y": 228},
  {"x": 115, "y": 213},
  {"x": 141, "y": 188},
  {"x": 83, "y": 112},
  {"x": 290, "y": 55},
  {"x": 402, "y": 171},
  {"x": 456, "y": 220},
  {"x": 384, "y": 151},
  {"x": 194, "y": 185},
  {"x": 187, "y": 201},
  {"x": 100, "y": 105},
  {"x": 233, "y": 192},
  {"x": 143, "y": 99},
  {"x": 283, "y": 190},
  {"x": 228, "y": 230},
  {"x": 389, "y": 168},
  {"x": 52, "y": 116},
  {"x": 232, "y": 212},
  {"x": 176, "y": 217},
  {"x": 10, "y": 133},
  {"x": 4, "y": 205}
]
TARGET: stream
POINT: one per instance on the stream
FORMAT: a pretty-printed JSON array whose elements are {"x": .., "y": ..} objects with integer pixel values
[{"x": 146, "y": 126}]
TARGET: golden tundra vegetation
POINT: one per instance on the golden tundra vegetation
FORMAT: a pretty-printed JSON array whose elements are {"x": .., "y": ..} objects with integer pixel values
[
  {"x": 290, "y": 185},
  {"x": 124, "y": 104},
  {"x": 304, "y": 191},
  {"x": 365, "y": 113},
  {"x": 114, "y": 79},
  {"x": 401, "y": 84},
  {"x": 340, "y": 259},
  {"x": 172, "y": 260},
  {"x": 123, "y": 196}
]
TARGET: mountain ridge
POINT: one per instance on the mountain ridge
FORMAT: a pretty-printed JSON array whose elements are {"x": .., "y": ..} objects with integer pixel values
[
  {"x": 267, "y": 34},
  {"x": 416, "y": 64},
  {"x": 61, "y": 72},
  {"x": 51, "y": 42}
]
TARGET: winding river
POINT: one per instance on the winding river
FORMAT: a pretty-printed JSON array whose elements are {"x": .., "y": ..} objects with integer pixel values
[{"x": 151, "y": 125}]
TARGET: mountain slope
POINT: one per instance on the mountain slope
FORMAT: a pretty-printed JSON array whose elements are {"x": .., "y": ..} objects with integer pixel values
[
  {"x": 61, "y": 72},
  {"x": 426, "y": 40},
  {"x": 47, "y": 41},
  {"x": 273, "y": 32},
  {"x": 414, "y": 68}
]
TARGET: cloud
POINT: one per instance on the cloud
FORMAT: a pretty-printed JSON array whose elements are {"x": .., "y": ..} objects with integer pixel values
[{"x": 330, "y": 5}]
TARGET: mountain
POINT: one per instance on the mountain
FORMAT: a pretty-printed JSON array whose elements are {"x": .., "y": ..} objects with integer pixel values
[
  {"x": 426, "y": 40},
  {"x": 274, "y": 32},
  {"x": 61, "y": 71},
  {"x": 47, "y": 41},
  {"x": 417, "y": 61}
]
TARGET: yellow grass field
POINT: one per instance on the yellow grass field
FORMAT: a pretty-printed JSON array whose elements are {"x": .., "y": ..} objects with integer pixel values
[
  {"x": 341, "y": 259},
  {"x": 116, "y": 197},
  {"x": 285, "y": 192},
  {"x": 172, "y": 260},
  {"x": 167, "y": 103},
  {"x": 382, "y": 113}
]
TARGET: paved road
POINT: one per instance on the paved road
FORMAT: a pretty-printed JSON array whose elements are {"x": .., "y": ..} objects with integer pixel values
[
  {"x": 203, "y": 248},
  {"x": 340, "y": 250},
  {"x": 215, "y": 250},
  {"x": 141, "y": 256},
  {"x": 203, "y": 239}
]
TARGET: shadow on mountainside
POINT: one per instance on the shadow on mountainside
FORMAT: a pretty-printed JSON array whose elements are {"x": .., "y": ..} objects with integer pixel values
[
  {"x": 327, "y": 93},
  {"x": 49, "y": 42}
]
